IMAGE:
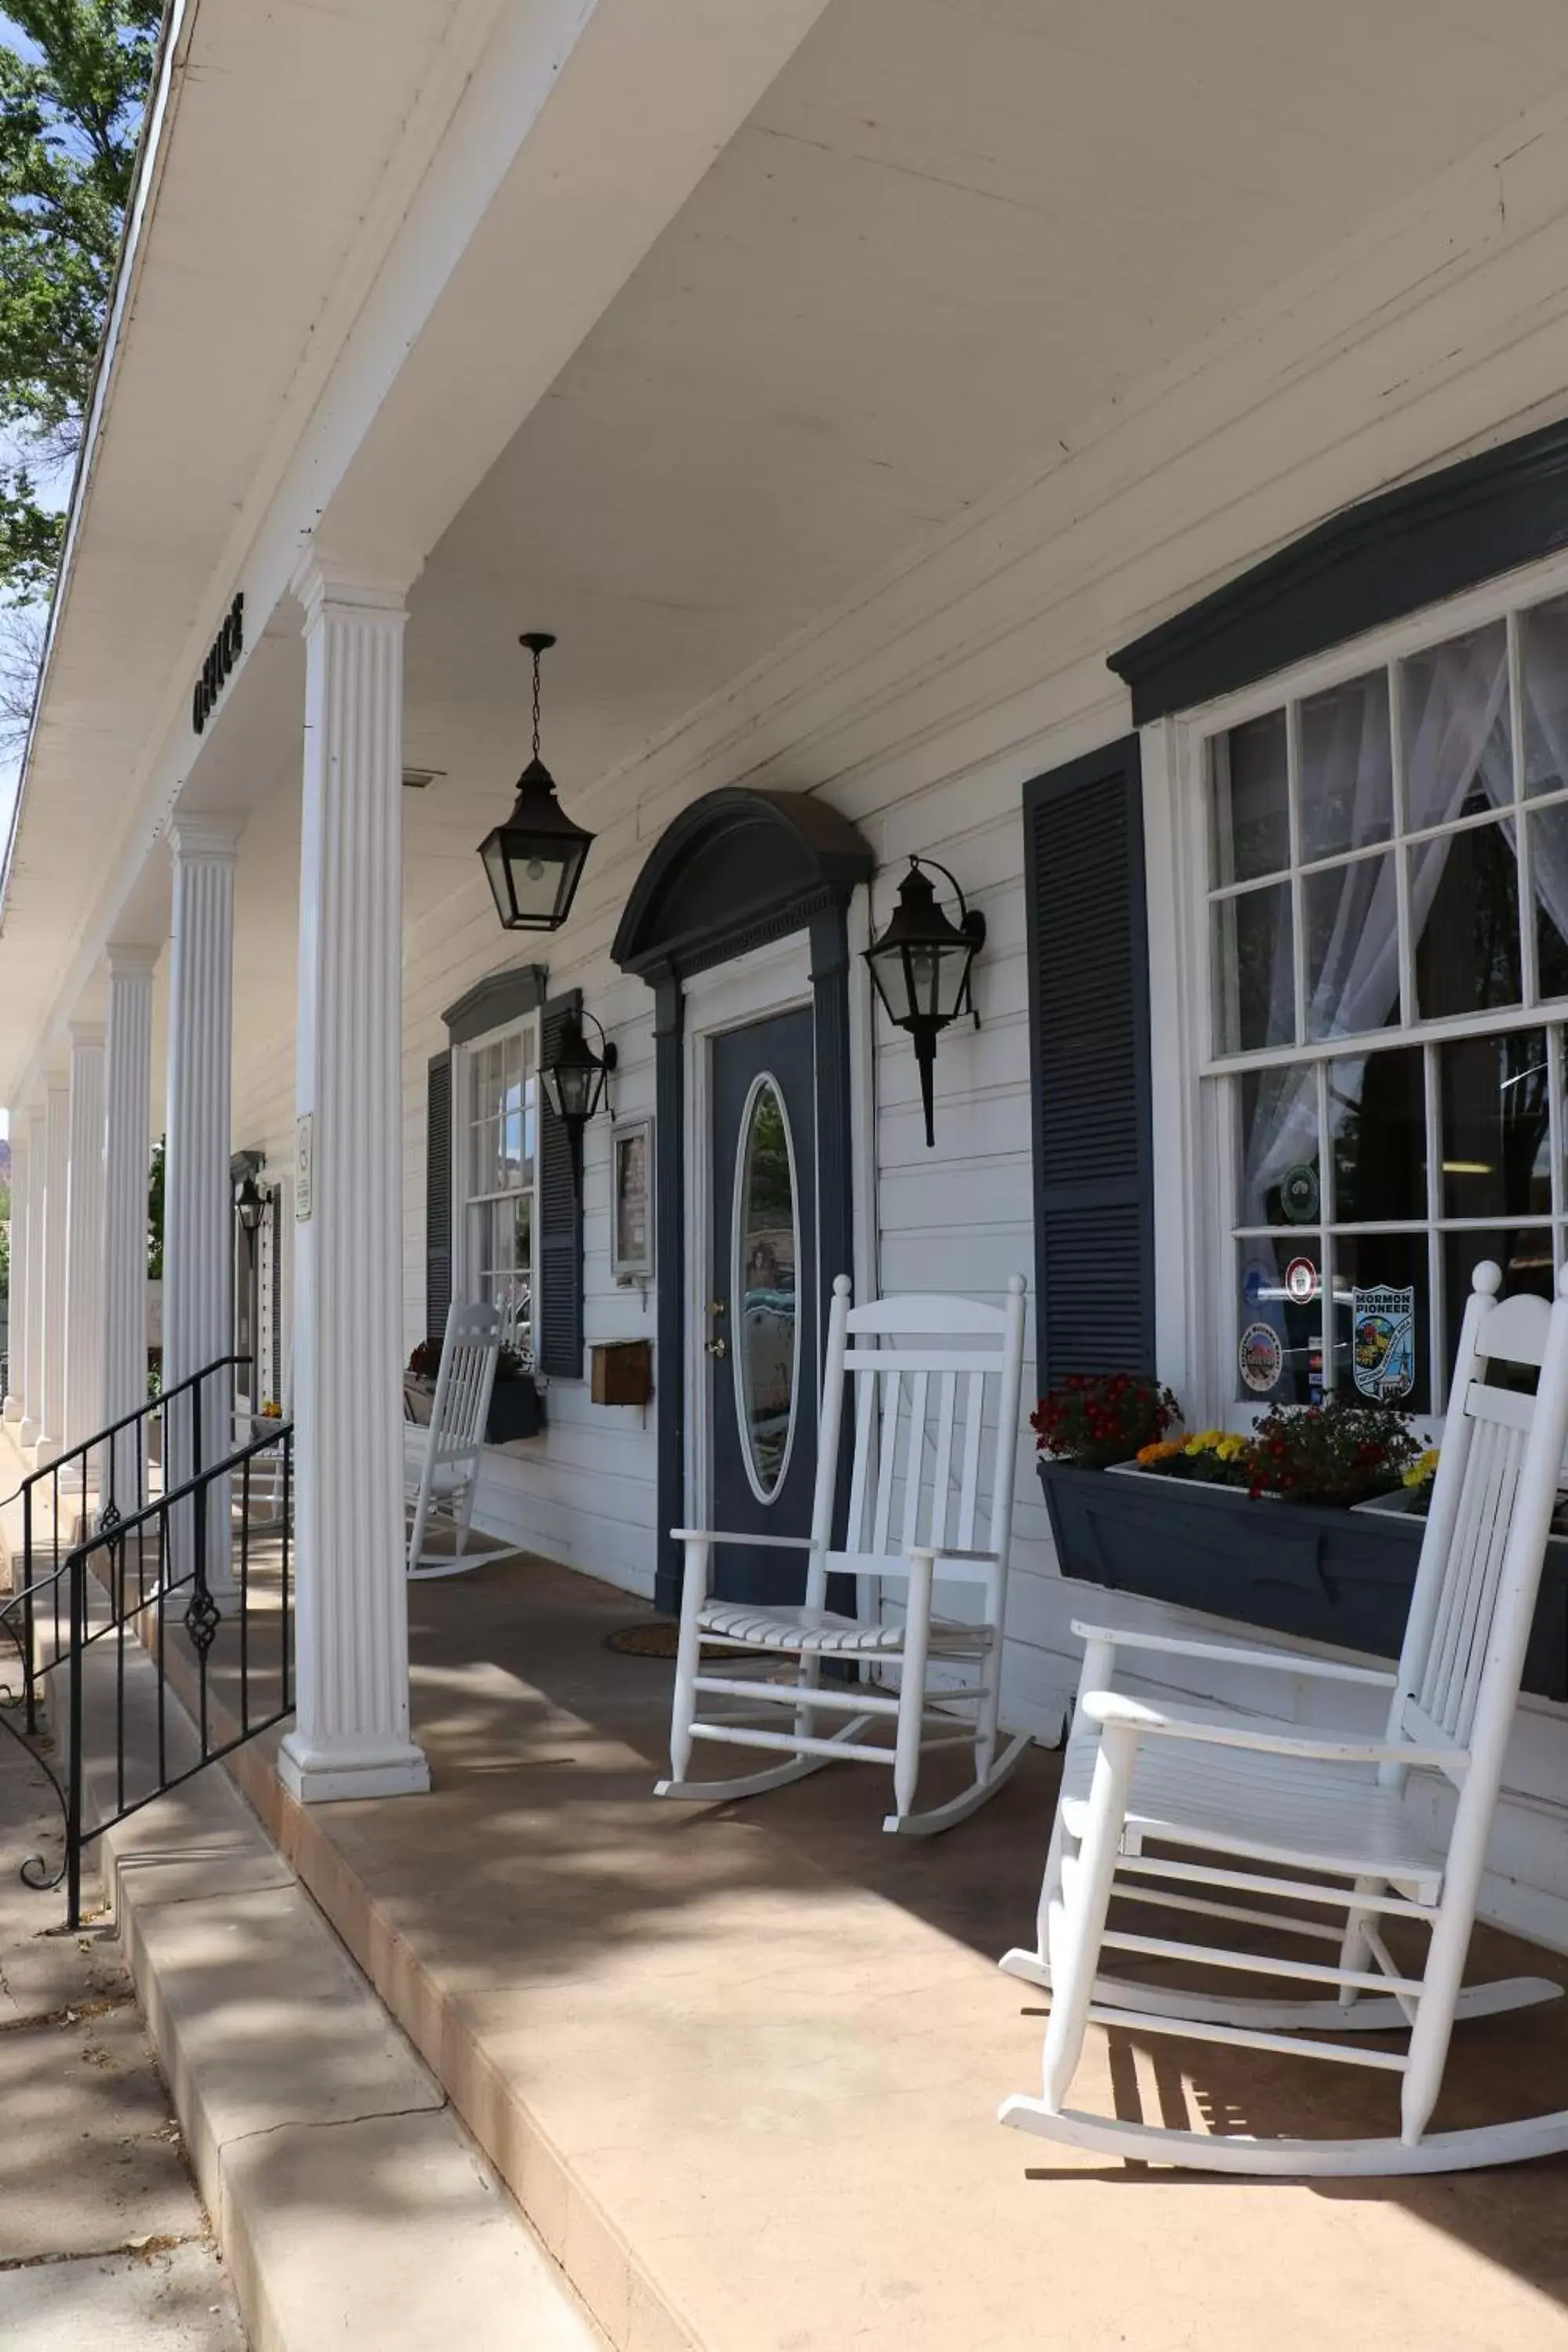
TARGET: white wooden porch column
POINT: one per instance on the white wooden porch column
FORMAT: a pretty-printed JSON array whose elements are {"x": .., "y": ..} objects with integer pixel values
[
  {"x": 127, "y": 1154},
  {"x": 84, "y": 1236},
  {"x": 16, "y": 1324},
  {"x": 351, "y": 1737},
  {"x": 57, "y": 1188},
  {"x": 198, "y": 1286},
  {"x": 32, "y": 1422}
]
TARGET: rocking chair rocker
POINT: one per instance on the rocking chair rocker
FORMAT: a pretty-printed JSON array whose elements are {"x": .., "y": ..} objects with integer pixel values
[
  {"x": 1173, "y": 1807},
  {"x": 948, "y": 1392}
]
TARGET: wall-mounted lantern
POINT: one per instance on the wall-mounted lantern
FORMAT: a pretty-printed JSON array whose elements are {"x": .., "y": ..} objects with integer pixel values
[
  {"x": 574, "y": 1076},
  {"x": 921, "y": 966},
  {"x": 533, "y": 862},
  {"x": 250, "y": 1202}
]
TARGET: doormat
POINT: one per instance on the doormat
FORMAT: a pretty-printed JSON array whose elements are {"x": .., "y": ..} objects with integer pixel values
[{"x": 658, "y": 1640}]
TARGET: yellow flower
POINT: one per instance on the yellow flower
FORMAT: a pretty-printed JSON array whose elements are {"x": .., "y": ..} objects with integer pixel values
[
  {"x": 1230, "y": 1447},
  {"x": 1422, "y": 1469},
  {"x": 1203, "y": 1442}
]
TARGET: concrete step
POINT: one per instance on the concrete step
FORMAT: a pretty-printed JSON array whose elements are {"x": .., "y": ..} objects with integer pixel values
[{"x": 350, "y": 2204}]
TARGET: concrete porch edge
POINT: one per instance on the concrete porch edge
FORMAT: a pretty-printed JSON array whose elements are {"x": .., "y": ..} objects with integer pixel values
[{"x": 344, "y": 2191}]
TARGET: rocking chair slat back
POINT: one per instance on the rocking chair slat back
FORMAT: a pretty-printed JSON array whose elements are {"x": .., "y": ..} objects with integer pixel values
[
  {"x": 461, "y": 1403},
  {"x": 1452, "y": 1639},
  {"x": 933, "y": 1460}
]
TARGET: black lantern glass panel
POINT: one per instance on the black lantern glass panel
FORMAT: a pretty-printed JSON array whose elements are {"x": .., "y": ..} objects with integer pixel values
[
  {"x": 921, "y": 966},
  {"x": 249, "y": 1202},
  {"x": 573, "y": 1077},
  {"x": 534, "y": 861}
]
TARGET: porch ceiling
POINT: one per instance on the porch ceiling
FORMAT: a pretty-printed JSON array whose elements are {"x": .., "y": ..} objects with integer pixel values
[{"x": 951, "y": 233}]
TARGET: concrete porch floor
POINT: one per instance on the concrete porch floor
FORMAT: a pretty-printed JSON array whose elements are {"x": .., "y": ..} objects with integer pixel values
[{"x": 739, "y": 2065}]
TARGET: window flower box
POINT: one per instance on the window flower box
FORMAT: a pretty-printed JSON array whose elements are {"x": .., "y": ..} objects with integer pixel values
[
  {"x": 1324, "y": 1574},
  {"x": 517, "y": 1408}
]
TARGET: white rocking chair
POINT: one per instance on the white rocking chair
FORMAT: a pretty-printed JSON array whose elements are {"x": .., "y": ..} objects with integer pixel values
[
  {"x": 915, "y": 1491},
  {"x": 441, "y": 1464},
  {"x": 1302, "y": 1816}
]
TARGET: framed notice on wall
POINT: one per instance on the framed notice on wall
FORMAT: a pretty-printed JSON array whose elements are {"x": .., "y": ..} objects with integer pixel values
[{"x": 631, "y": 1196}]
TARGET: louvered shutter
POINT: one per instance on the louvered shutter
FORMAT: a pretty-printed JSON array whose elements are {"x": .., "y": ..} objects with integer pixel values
[
  {"x": 438, "y": 1194},
  {"x": 558, "y": 1308},
  {"x": 1089, "y": 1024}
]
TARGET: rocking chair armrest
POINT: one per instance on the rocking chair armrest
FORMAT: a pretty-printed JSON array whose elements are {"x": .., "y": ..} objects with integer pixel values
[
  {"x": 1235, "y": 1654},
  {"x": 1114, "y": 1709},
  {"x": 718, "y": 1535}
]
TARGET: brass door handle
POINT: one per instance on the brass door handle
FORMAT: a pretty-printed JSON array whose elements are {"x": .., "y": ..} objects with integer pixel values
[
  {"x": 717, "y": 1346},
  {"x": 716, "y": 1307}
]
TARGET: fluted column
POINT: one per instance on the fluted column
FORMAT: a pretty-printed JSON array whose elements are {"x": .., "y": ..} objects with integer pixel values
[
  {"x": 56, "y": 1189},
  {"x": 17, "y": 1309},
  {"x": 32, "y": 1422},
  {"x": 84, "y": 1236},
  {"x": 351, "y": 1738},
  {"x": 198, "y": 1290},
  {"x": 127, "y": 1154}
]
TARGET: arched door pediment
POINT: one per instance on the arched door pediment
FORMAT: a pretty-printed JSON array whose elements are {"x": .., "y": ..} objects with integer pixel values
[{"x": 734, "y": 869}]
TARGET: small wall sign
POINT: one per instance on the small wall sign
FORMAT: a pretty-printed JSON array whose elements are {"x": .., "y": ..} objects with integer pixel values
[
  {"x": 631, "y": 1195},
  {"x": 218, "y": 666},
  {"x": 304, "y": 1165}
]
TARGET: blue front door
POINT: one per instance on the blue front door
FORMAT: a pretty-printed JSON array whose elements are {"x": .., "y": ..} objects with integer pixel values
[{"x": 762, "y": 1339}]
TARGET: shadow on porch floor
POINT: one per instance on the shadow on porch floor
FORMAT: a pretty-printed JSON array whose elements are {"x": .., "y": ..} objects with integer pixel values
[{"x": 741, "y": 2064}]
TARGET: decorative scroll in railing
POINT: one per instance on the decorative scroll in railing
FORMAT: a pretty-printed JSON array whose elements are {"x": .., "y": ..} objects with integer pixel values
[{"x": 201, "y": 1575}]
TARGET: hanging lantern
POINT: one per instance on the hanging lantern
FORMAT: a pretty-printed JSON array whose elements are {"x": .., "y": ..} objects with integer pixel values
[
  {"x": 921, "y": 966},
  {"x": 534, "y": 861},
  {"x": 574, "y": 1076}
]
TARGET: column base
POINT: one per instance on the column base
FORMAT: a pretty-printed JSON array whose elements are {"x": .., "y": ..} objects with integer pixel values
[
  {"x": 28, "y": 1432},
  {"x": 12, "y": 1409},
  {"x": 324, "y": 1775},
  {"x": 44, "y": 1451}
]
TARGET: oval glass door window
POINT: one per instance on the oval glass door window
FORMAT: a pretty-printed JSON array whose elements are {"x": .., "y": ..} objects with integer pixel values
[{"x": 767, "y": 1253}]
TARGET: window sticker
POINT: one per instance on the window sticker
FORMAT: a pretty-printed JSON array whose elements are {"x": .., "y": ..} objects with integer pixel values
[
  {"x": 1301, "y": 1282},
  {"x": 1383, "y": 1326},
  {"x": 1257, "y": 1279},
  {"x": 1261, "y": 1358},
  {"x": 1298, "y": 1193}
]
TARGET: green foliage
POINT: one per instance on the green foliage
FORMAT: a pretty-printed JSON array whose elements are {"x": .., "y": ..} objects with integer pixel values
[{"x": 69, "y": 118}]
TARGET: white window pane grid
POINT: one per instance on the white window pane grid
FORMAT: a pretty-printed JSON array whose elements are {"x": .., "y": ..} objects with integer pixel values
[
  {"x": 499, "y": 1155},
  {"x": 1526, "y": 775}
]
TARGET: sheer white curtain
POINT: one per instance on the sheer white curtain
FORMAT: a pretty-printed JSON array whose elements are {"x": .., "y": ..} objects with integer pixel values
[{"x": 1453, "y": 700}]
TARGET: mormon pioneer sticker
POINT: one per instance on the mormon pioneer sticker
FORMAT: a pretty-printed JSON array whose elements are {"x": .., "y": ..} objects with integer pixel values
[
  {"x": 1382, "y": 1343},
  {"x": 1259, "y": 1357}
]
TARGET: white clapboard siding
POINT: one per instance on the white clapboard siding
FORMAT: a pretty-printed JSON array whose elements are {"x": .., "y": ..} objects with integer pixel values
[{"x": 921, "y": 709}]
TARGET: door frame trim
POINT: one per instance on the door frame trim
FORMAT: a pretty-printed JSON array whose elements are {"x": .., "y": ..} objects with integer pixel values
[{"x": 736, "y": 871}]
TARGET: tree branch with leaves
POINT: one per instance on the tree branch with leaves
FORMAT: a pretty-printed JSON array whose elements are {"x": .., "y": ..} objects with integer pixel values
[{"x": 74, "y": 77}]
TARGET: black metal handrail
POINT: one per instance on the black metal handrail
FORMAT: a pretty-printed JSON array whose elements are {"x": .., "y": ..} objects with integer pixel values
[
  {"x": 80, "y": 1458},
  {"x": 132, "y": 1606}
]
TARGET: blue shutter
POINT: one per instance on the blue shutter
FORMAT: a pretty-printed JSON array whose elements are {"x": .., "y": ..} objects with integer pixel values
[
  {"x": 1089, "y": 1041},
  {"x": 438, "y": 1194},
  {"x": 558, "y": 1307}
]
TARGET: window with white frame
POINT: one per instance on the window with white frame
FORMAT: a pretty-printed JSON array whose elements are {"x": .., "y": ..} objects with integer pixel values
[
  {"x": 497, "y": 1146},
  {"x": 1387, "y": 927}
]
